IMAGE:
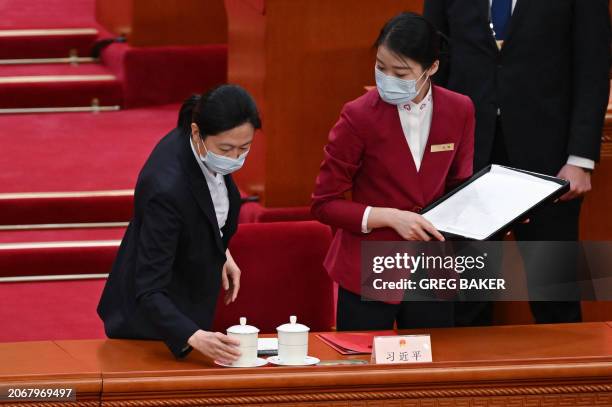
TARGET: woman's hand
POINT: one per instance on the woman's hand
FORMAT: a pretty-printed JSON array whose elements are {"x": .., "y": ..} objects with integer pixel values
[
  {"x": 230, "y": 278},
  {"x": 215, "y": 345},
  {"x": 409, "y": 225},
  {"x": 412, "y": 226}
]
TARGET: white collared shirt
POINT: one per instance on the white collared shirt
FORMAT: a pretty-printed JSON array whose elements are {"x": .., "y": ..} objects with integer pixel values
[
  {"x": 217, "y": 188},
  {"x": 416, "y": 122}
]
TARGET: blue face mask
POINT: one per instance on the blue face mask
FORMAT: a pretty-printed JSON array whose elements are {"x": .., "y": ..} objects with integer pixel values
[
  {"x": 221, "y": 164},
  {"x": 394, "y": 90}
]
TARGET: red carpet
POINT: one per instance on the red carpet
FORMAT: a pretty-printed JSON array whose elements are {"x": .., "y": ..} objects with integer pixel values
[
  {"x": 58, "y": 252},
  {"x": 75, "y": 152},
  {"x": 58, "y": 235},
  {"x": 53, "y": 69},
  {"x": 57, "y": 45},
  {"x": 50, "y": 310},
  {"x": 46, "y": 13},
  {"x": 58, "y": 85}
]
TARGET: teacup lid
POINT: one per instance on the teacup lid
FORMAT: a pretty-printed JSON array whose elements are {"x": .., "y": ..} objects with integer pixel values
[
  {"x": 293, "y": 326},
  {"x": 243, "y": 328}
]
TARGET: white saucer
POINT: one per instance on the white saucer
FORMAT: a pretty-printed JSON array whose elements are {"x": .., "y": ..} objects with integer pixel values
[
  {"x": 258, "y": 363},
  {"x": 310, "y": 360}
]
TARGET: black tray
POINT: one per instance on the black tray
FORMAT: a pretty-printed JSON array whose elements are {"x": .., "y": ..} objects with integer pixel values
[{"x": 564, "y": 186}]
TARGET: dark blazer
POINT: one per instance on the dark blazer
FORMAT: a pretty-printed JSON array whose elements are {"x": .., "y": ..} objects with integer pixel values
[
  {"x": 167, "y": 275},
  {"x": 550, "y": 79},
  {"x": 369, "y": 156}
]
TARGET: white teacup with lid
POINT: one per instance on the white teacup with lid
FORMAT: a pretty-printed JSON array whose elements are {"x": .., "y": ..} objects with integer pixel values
[
  {"x": 247, "y": 335},
  {"x": 292, "y": 342}
]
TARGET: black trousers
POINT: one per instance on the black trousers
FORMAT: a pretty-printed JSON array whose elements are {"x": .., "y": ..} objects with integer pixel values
[
  {"x": 554, "y": 222},
  {"x": 353, "y": 314}
]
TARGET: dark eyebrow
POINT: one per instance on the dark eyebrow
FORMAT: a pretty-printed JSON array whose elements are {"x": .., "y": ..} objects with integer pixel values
[
  {"x": 224, "y": 145},
  {"x": 398, "y": 67}
]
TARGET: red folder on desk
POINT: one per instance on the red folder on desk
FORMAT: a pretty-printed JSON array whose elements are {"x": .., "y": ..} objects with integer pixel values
[{"x": 354, "y": 343}]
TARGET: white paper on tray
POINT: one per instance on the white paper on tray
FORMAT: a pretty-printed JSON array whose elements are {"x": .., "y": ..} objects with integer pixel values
[{"x": 490, "y": 202}]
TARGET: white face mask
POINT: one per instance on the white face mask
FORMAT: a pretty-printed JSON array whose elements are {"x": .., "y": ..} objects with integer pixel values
[
  {"x": 397, "y": 91},
  {"x": 221, "y": 164}
]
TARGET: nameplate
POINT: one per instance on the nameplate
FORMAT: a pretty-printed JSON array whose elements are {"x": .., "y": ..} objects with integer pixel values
[
  {"x": 442, "y": 147},
  {"x": 401, "y": 349}
]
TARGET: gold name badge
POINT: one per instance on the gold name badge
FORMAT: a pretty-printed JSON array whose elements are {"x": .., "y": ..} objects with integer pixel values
[{"x": 435, "y": 148}]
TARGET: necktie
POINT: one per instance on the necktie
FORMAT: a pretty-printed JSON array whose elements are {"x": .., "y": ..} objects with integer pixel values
[{"x": 501, "y": 10}]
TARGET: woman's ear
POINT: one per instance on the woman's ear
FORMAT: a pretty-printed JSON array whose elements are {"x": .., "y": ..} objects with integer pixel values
[
  {"x": 195, "y": 131},
  {"x": 433, "y": 68}
]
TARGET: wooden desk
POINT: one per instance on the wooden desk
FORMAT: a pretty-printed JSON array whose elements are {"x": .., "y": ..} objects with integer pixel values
[
  {"x": 45, "y": 365},
  {"x": 537, "y": 365}
]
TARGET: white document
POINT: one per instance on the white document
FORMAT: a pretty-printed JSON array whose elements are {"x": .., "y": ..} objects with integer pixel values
[{"x": 490, "y": 202}]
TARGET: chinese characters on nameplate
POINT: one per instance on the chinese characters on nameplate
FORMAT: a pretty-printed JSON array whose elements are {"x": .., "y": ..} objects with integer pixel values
[{"x": 401, "y": 349}]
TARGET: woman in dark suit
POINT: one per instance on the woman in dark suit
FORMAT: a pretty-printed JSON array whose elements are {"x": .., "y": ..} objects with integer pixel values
[
  {"x": 174, "y": 256},
  {"x": 396, "y": 149}
]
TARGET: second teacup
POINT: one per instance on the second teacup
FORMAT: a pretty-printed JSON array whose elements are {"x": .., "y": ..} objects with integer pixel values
[{"x": 292, "y": 342}]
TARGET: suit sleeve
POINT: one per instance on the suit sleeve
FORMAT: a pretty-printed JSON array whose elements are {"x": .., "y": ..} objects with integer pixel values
[
  {"x": 591, "y": 84},
  {"x": 342, "y": 159},
  {"x": 462, "y": 165},
  {"x": 158, "y": 242},
  {"x": 435, "y": 12}
]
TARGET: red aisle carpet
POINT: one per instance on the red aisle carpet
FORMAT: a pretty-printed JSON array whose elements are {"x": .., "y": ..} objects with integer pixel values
[
  {"x": 46, "y": 13},
  {"x": 30, "y": 44},
  {"x": 58, "y": 85},
  {"x": 71, "y": 152},
  {"x": 58, "y": 252},
  {"x": 50, "y": 310}
]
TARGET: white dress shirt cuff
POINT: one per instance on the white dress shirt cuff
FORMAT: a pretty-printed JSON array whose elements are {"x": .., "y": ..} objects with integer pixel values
[
  {"x": 581, "y": 162},
  {"x": 364, "y": 220}
]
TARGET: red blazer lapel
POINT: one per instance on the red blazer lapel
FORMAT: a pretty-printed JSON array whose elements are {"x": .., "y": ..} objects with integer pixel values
[{"x": 435, "y": 164}]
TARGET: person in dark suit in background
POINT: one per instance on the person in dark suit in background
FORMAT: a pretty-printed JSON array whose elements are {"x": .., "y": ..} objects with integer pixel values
[
  {"x": 537, "y": 72},
  {"x": 174, "y": 256}
]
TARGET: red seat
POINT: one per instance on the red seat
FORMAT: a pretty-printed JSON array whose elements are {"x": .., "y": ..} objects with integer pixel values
[
  {"x": 252, "y": 212},
  {"x": 282, "y": 275}
]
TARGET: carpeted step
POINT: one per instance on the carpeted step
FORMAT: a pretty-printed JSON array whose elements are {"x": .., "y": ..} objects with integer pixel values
[
  {"x": 48, "y": 310},
  {"x": 58, "y": 252},
  {"x": 47, "y": 13},
  {"x": 42, "y": 208},
  {"x": 76, "y": 167},
  {"x": 46, "y": 43},
  {"x": 51, "y": 85}
]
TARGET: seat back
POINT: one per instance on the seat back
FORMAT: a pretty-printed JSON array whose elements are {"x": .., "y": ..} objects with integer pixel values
[{"x": 282, "y": 275}]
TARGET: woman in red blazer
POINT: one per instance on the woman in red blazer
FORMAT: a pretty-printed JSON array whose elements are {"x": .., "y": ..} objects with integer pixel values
[{"x": 395, "y": 149}]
